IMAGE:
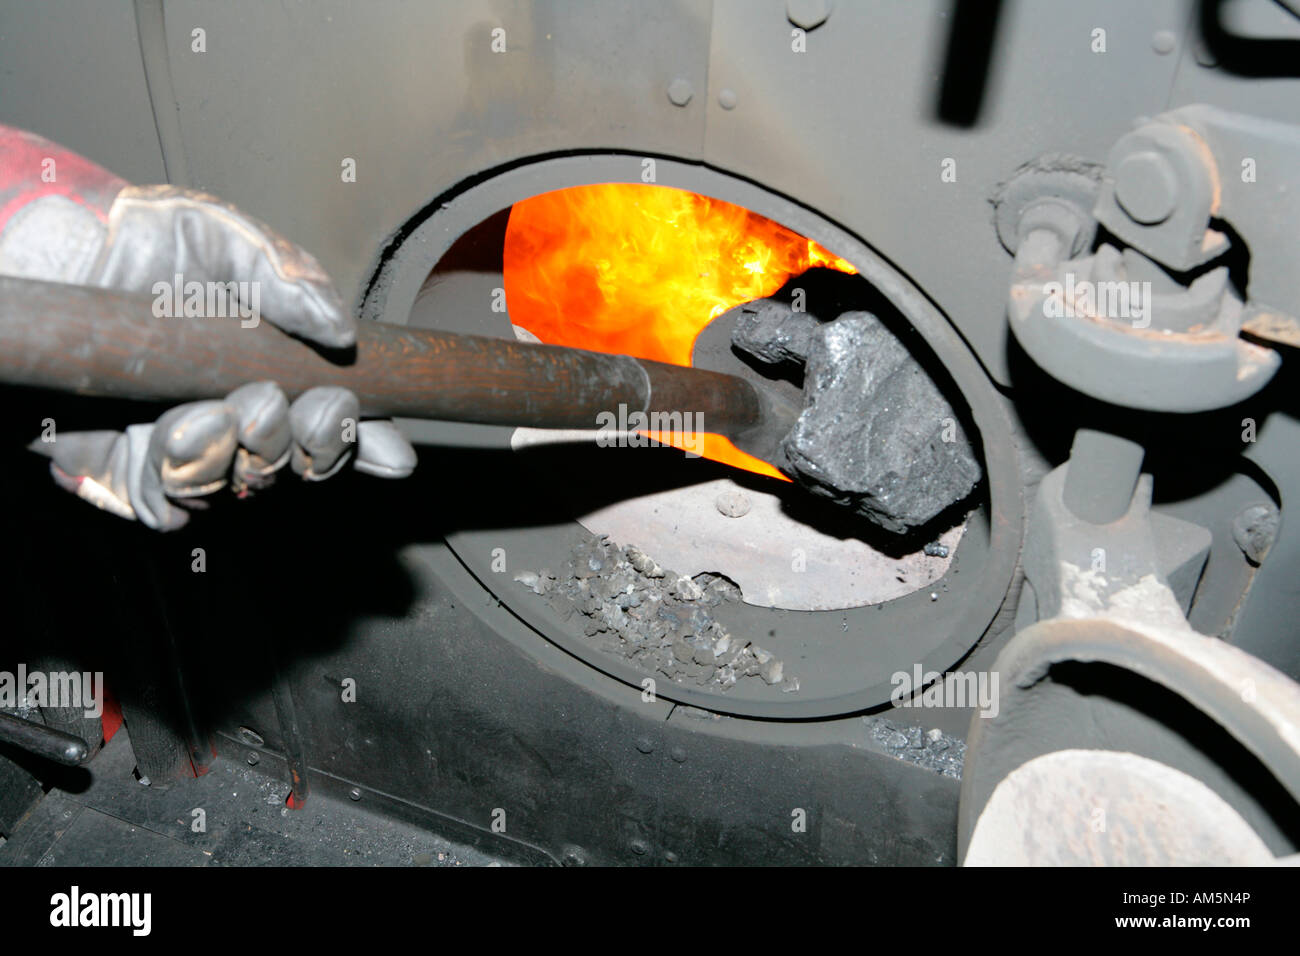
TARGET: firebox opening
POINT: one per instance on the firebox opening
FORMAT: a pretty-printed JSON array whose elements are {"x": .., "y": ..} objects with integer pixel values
[
  {"x": 840, "y": 604},
  {"x": 642, "y": 270}
]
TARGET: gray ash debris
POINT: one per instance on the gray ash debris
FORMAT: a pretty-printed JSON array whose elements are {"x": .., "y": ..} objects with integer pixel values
[
  {"x": 659, "y": 620},
  {"x": 932, "y": 749}
]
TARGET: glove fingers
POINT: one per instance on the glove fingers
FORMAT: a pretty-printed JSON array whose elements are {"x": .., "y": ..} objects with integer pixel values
[
  {"x": 192, "y": 448},
  {"x": 159, "y": 232},
  {"x": 188, "y": 452},
  {"x": 324, "y": 423},
  {"x": 158, "y": 473},
  {"x": 383, "y": 450},
  {"x": 135, "y": 474},
  {"x": 144, "y": 483},
  {"x": 93, "y": 466},
  {"x": 265, "y": 436}
]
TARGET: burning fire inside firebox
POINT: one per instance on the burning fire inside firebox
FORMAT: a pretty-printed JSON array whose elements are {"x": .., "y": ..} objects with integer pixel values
[{"x": 641, "y": 269}]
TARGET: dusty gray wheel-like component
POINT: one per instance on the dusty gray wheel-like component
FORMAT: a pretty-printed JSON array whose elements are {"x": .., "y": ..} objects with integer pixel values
[
  {"x": 1118, "y": 809},
  {"x": 1114, "y": 744}
]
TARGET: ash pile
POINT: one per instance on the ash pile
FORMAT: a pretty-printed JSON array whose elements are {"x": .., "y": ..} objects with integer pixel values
[
  {"x": 659, "y": 620},
  {"x": 933, "y": 749}
]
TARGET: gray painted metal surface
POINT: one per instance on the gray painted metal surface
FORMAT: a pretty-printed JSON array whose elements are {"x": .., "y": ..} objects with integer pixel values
[{"x": 283, "y": 95}]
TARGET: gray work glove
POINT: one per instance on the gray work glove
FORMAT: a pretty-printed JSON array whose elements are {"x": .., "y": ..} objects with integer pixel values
[{"x": 86, "y": 226}]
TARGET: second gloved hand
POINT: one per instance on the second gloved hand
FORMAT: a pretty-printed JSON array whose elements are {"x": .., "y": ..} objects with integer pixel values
[{"x": 159, "y": 473}]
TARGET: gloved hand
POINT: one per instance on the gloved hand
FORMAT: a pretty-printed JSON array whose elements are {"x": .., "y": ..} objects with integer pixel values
[{"x": 64, "y": 219}]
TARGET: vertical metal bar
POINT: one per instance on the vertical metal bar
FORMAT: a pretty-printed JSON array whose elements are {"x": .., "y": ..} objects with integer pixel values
[
  {"x": 1102, "y": 475},
  {"x": 295, "y": 752}
]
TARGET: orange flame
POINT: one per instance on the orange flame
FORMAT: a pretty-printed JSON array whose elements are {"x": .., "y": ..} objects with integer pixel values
[{"x": 640, "y": 269}]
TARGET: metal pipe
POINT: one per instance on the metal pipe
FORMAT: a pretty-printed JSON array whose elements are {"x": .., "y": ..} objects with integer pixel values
[
  {"x": 42, "y": 741},
  {"x": 1101, "y": 476},
  {"x": 105, "y": 343}
]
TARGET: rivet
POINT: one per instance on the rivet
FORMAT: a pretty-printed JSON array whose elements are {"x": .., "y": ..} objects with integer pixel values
[
  {"x": 807, "y": 14},
  {"x": 733, "y": 503},
  {"x": 680, "y": 91}
]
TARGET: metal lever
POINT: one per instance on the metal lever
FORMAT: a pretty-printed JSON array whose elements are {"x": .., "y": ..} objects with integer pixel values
[{"x": 43, "y": 741}]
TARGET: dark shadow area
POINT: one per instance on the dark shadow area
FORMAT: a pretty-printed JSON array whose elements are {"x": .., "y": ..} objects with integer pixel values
[
  {"x": 183, "y": 649},
  {"x": 1186, "y": 454},
  {"x": 49, "y": 773},
  {"x": 1236, "y": 258},
  {"x": 1246, "y": 56},
  {"x": 968, "y": 61}
]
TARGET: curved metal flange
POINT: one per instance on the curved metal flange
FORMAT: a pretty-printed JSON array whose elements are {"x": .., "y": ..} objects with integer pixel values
[
  {"x": 1147, "y": 368},
  {"x": 1140, "y": 812},
  {"x": 1040, "y": 714}
]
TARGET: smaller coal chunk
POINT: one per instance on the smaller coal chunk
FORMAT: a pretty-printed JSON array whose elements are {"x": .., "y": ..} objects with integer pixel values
[{"x": 772, "y": 332}]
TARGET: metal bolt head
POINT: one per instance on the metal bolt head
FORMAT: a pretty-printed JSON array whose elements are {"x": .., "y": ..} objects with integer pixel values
[
  {"x": 1146, "y": 186},
  {"x": 640, "y": 848},
  {"x": 680, "y": 91},
  {"x": 253, "y": 758},
  {"x": 355, "y": 793},
  {"x": 645, "y": 745},
  {"x": 678, "y": 754},
  {"x": 1164, "y": 42},
  {"x": 727, "y": 98},
  {"x": 807, "y": 14}
]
